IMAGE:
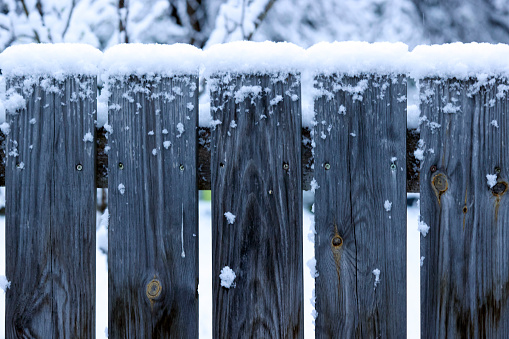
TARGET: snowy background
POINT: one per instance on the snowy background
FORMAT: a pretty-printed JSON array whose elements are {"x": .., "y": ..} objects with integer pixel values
[{"x": 105, "y": 23}]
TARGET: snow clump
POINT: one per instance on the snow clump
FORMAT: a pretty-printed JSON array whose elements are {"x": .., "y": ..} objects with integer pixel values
[
  {"x": 4, "y": 283},
  {"x": 376, "y": 273},
  {"x": 230, "y": 217},
  {"x": 227, "y": 277},
  {"x": 491, "y": 180},
  {"x": 423, "y": 228}
]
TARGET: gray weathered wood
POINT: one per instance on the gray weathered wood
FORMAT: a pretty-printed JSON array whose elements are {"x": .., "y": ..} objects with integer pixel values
[
  {"x": 203, "y": 171},
  {"x": 153, "y": 206},
  {"x": 256, "y": 175},
  {"x": 50, "y": 211},
  {"x": 360, "y": 162},
  {"x": 465, "y": 272}
]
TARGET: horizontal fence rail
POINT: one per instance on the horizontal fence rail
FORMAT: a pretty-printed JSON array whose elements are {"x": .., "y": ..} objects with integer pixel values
[
  {"x": 358, "y": 159},
  {"x": 203, "y": 167}
]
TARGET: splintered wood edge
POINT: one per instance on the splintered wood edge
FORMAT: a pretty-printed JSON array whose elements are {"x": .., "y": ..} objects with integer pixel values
[{"x": 203, "y": 172}]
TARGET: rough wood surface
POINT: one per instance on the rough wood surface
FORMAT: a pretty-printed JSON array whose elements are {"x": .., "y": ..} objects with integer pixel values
[
  {"x": 203, "y": 172},
  {"x": 153, "y": 206},
  {"x": 50, "y": 211},
  {"x": 360, "y": 162},
  {"x": 256, "y": 176},
  {"x": 465, "y": 271}
]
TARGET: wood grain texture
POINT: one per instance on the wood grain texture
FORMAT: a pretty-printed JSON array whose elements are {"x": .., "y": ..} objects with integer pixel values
[
  {"x": 256, "y": 175},
  {"x": 153, "y": 206},
  {"x": 203, "y": 171},
  {"x": 360, "y": 159},
  {"x": 50, "y": 211},
  {"x": 465, "y": 272}
]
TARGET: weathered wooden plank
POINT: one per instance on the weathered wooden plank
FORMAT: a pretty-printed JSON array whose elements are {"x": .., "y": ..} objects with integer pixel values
[
  {"x": 153, "y": 206},
  {"x": 50, "y": 211},
  {"x": 465, "y": 271},
  {"x": 360, "y": 207},
  {"x": 256, "y": 176}
]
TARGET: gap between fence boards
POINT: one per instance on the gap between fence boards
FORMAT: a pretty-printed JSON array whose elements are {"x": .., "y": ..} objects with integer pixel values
[{"x": 412, "y": 164}]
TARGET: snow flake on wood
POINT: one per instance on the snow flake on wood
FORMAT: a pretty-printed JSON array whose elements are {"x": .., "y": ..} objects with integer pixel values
[{"x": 227, "y": 277}]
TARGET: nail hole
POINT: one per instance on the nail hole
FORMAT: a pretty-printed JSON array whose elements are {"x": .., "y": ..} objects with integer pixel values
[
  {"x": 498, "y": 170},
  {"x": 337, "y": 241},
  {"x": 433, "y": 168},
  {"x": 181, "y": 167},
  {"x": 465, "y": 209},
  {"x": 286, "y": 166},
  {"x": 221, "y": 165},
  {"x": 79, "y": 167},
  {"x": 270, "y": 192},
  {"x": 121, "y": 165},
  {"x": 327, "y": 166},
  {"x": 393, "y": 166}
]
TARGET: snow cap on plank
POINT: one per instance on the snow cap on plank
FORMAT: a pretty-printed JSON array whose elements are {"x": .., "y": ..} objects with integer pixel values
[
  {"x": 357, "y": 57},
  {"x": 55, "y": 60},
  {"x": 248, "y": 57},
  {"x": 459, "y": 60},
  {"x": 152, "y": 60}
]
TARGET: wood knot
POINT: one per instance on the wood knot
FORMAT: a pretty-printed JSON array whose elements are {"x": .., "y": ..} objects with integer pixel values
[
  {"x": 154, "y": 289},
  {"x": 465, "y": 209},
  {"x": 499, "y": 189},
  {"x": 440, "y": 183},
  {"x": 337, "y": 241}
]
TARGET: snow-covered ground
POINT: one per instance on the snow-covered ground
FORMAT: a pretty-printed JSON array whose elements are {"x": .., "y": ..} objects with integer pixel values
[{"x": 205, "y": 287}]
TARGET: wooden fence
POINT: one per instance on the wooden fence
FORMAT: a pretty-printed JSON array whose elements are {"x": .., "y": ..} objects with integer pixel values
[{"x": 257, "y": 175}]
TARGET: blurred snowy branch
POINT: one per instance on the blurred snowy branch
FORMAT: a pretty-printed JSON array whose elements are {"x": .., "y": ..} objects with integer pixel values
[{"x": 104, "y": 23}]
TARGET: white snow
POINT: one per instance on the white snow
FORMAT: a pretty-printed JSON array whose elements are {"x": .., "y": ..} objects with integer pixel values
[
  {"x": 387, "y": 205},
  {"x": 311, "y": 263},
  {"x": 459, "y": 60},
  {"x": 121, "y": 188},
  {"x": 230, "y": 217},
  {"x": 88, "y": 137},
  {"x": 227, "y": 277},
  {"x": 342, "y": 110},
  {"x": 55, "y": 60},
  {"x": 247, "y": 91},
  {"x": 494, "y": 123},
  {"x": 376, "y": 273},
  {"x": 5, "y": 128},
  {"x": 491, "y": 180},
  {"x": 450, "y": 108},
  {"x": 233, "y": 124},
  {"x": 14, "y": 102},
  {"x": 422, "y": 260},
  {"x": 423, "y": 228},
  {"x": 150, "y": 60},
  {"x": 250, "y": 57},
  {"x": 180, "y": 129},
  {"x": 4, "y": 283},
  {"x": 166, "y": 144},
  {"x": 154, "y": 151},
  {"x": 358, "y": 57},
  {"x": 314, "y": 185}
]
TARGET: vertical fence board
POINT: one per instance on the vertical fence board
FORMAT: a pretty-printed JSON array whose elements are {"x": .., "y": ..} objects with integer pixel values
[
  {"x": 360, "y": 163},
  {"x": 153, "y": 206},
  {"x": 50, "y": 211},
  {"x": 256, "y": 176},
  {"x": 465, "y": 272}
]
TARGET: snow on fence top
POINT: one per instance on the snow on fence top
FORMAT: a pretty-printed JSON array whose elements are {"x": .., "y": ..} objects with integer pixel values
[
  {"x": 247, "y": 57},
  {"x": 357, "y": 57},
  {"x": 55, "y": 60},
  {"x": 151, "y": 59},
  {"x": 460, "y": 61}
]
